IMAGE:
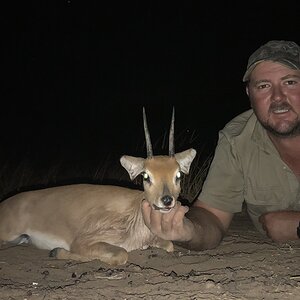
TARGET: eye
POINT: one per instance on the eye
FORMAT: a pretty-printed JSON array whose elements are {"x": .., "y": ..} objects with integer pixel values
[
  {"x": 178, "y": 176},
  {"x": 146, "y": 177},
  {"x": 290, "y": 82},
  {"x": 263, "y": 86}
]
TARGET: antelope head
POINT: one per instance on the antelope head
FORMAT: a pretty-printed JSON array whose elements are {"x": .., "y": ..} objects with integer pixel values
[{"x": 161, "y": 174}]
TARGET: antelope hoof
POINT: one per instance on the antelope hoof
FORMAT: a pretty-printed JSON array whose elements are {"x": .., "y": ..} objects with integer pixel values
[
  {"x": 165, "y": 245},
  {"x": 54, "y": 252},
  {"x": 119, "y": 258},
  {"x": 22, "y": 239}
]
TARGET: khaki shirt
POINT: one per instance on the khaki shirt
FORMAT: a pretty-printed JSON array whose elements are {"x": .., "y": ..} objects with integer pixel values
[{"x": 247, "y": 168}]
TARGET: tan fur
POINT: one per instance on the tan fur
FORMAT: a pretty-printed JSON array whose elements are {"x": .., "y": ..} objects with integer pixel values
[{"x": 85, "y": 222}]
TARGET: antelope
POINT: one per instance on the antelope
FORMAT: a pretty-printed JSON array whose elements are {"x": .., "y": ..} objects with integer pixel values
[{"x": 84, "y": 222}]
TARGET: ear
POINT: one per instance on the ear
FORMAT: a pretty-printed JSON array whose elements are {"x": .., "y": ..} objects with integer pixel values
[
  {"x": 133, "y": 165},
  {"x": 185, "y": 159},
  {"x": 247, "y": 90}
]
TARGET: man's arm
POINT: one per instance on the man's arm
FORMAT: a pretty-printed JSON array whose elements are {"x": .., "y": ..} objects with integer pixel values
[
  {"x": 281, "y": 226},
  {"x": 198, "y": 228},
  {"x": 210, "y": 226}
]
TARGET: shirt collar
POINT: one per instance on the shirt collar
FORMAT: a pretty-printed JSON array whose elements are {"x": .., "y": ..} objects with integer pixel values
[{"x": 261, "y": 138}]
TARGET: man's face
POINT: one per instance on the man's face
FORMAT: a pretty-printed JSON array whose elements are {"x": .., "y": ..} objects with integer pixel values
[{"x": 274, "y": 92}]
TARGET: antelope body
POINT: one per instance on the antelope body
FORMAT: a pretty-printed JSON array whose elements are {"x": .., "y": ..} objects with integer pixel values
[{"x": 85, "y": 221}]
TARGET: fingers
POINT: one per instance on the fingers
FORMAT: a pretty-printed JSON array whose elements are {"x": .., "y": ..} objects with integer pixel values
[
  {"x": 146, "y": 211},
  {"x": 179, "y": 214},
  {"x": 262, "y": 220},
  {"x": 165, "y": 225},
  {"x": 173, "y": 219}
]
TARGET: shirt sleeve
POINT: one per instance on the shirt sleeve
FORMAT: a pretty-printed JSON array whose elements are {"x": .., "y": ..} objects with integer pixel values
[{"x": 223, "y": 187}]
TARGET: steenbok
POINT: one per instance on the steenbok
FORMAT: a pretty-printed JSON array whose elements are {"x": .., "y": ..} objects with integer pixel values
[{"x": 87, "y": 221}]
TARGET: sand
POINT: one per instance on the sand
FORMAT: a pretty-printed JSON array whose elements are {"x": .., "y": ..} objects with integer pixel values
[{"x": 245, "y": 266}]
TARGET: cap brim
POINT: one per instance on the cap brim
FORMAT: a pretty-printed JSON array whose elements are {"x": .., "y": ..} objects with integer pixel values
[
  {"x": 283, "y": 62},
  {"x": 250, "y": 69}
]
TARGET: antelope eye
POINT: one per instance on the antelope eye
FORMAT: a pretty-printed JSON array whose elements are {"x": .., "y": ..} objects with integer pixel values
[
  {"x": 146, "y": 177},
  {"x": 178, "y": 175}
]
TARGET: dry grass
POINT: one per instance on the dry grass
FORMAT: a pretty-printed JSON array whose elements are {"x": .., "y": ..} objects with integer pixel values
[
  {"x": 31, "y": 171},
  {"x": 191, "y": 184}
]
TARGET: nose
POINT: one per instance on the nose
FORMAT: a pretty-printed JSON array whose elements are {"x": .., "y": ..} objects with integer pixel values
[
  {"x": 167, "y": 200},
  {"x": 277, "y": 94}
]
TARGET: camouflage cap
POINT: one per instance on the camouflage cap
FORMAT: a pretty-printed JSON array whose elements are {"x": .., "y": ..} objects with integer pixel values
[{"x": 285, "y": 52}]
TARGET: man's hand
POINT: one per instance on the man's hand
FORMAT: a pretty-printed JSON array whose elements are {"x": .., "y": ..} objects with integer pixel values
[
  {"x": 172, "y": 226},
  {"x": 281, "y": 226}
]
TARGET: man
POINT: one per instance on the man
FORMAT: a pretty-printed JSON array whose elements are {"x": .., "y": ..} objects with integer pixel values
[{"x": 257, "y": 161}]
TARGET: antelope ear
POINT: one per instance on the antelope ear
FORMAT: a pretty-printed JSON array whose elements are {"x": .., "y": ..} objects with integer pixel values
[
  {"x": 133, "y": 165},
  {"x": 185, "y": 159}
]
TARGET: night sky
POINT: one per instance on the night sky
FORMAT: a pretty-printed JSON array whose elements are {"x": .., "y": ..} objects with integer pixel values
[{"x": 77, "y": 73}]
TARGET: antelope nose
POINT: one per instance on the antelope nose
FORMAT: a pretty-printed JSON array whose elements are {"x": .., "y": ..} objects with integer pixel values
[{"x": 167, "y": 200}]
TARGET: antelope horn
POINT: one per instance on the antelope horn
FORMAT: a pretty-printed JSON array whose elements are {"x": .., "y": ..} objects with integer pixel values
[
  {"x": 171, "y": 135},
  {"x": 147, "y": 136}
]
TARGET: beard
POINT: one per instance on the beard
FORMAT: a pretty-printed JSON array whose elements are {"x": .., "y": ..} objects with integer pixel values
[
  {"x": 291, "y": 131},
  {"x": 282, "y": 128}
]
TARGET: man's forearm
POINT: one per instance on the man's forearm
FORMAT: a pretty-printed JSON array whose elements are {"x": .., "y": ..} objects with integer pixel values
[
  {"x": 281, "y": 226},
  {"x": 208, "y": 230}
]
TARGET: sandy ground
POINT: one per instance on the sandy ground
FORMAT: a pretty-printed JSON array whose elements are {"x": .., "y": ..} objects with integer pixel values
[{"x": 244, "y": 266}]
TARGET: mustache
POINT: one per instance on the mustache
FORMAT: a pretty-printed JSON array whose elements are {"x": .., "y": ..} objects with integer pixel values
[{"x": 279, "y": 106}]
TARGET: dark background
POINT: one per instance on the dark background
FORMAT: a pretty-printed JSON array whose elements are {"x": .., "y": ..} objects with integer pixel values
[{"x": 76, "y": 74}]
